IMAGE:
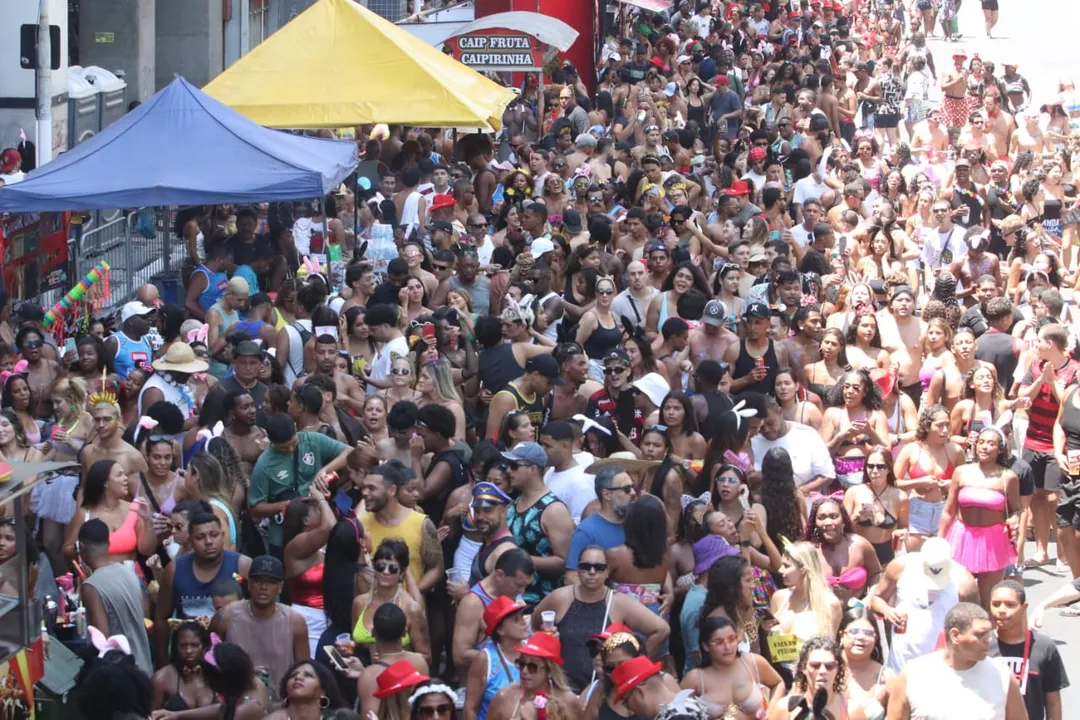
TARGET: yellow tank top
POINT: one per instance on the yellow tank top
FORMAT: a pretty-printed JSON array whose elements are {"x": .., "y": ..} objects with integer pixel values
[
  {"x": 362, "y": 636},
  {"x": 279, "y": 320},
  {"x": 410, "y": 530}
]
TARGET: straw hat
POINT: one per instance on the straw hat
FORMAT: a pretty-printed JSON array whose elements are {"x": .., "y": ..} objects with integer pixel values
[
  {"x": 624, "y": 460},
  {"x": 180, "y": 358}
]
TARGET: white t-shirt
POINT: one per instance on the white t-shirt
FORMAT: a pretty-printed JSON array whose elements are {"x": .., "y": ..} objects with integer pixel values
[
  {"x": 807, "y": 189},
  {"x": 574, "y": 487},
  {"x": 801, "y": 235},
  {"x": 301, "y": 233},
  {"x": 483, "y": 252},
  {"x": 759, "y": 180},
  {"x": 380, "y": 366},
  {"x": 294, "y": 368},
  {"x": 703, "y": 23},
  {"x": 809, "y": 456},
  {"x": 938, "y": 692}
]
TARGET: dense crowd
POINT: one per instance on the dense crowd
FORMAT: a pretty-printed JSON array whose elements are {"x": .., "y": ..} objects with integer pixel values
[{"x": 729, "y": 385}]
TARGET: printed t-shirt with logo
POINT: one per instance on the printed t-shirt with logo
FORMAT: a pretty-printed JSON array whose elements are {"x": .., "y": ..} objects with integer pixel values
[{"x": 274, "y": 478}]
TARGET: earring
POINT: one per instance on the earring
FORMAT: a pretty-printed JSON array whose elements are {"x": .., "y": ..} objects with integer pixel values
[{"x": 324, "y": 702}]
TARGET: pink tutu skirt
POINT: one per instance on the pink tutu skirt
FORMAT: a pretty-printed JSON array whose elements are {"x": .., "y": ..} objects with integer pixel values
[{"x": 981, "y": 549}]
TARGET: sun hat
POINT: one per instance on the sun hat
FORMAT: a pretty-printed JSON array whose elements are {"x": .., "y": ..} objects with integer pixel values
[
  {"x": 180, "y": 358},
  {"x": 624, "y": 460},
  {"x": 708, "y": 550},
  {"x": 440, "y": 201}
]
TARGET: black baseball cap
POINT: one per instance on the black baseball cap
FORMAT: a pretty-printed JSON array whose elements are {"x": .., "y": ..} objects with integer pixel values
[
  {"x": 248, "y": 348},
  {"x": 267, "y": 566},
  {"x": 757, "y": 309},
  {"x": 546, "y": 366}
]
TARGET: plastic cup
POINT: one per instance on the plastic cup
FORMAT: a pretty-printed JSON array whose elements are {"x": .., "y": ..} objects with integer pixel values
[
  {"x": 458, "y": 576},
  {"x": 547, "y": 618},
  {"x": 344, "y": 644}
]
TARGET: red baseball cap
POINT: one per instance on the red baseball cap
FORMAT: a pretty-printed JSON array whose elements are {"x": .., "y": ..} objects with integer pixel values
[
  {"x": 721, "y": 80},
  {"x": 738, "y": 189},
  {"x": 757, "y": 154}
]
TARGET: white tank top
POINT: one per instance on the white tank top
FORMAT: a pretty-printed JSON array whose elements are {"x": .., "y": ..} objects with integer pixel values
[
  {"x": 926, "y": 608},
  {"x": 410, "y": 212},
  {"x": 935, "y": 691},
  {"x": 552, "y": 330}
]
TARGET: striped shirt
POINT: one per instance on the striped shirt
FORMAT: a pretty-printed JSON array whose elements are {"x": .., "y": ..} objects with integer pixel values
[{"x": 1044, "y": 406}]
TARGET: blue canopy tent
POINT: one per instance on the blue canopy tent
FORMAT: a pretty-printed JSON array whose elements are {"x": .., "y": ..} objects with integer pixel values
[{"x": 182, "y": 147}]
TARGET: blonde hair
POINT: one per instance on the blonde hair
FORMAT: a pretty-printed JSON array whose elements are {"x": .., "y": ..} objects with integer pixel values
[
  {"x": 806, "y": 556},
  {"x": 463, "y": 295},
  {"x": 72, "y": 389},
  {"x": 444, "y": 381}
]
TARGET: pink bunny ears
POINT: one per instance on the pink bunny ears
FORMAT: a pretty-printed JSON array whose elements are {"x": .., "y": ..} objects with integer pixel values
[
  {"x": 19, "y": 369},
  {"x": 199, "y": 334},
  {"x": 106, "y": 645}
]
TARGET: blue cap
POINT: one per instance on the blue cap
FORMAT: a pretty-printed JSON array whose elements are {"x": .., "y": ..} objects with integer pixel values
[
  {"x": 528, "y": 452},
  {"x": 486, "y": 494}
]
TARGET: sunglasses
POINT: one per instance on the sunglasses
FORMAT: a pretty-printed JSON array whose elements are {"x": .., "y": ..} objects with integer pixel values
[
  {"x": 401, "y": 371},
  {"x": 440, "y": 710},
  {"x": 861, "y": 632},
  {"x": 605, "y": 292},
  {"x": 439, "y": 267},
  {"x": 829, "y": 665},
  {"x": 33, "y": 344},
  {"x": 478, "y": 225},
  {"x": 596, "y": 199},
  {"x": 387, "y": 568},
  {"x": 727, "y": 480},
  {"x": 876, "y": 466},
  {"x": 594, "y": 567},
  {"x": 628, "y": 489},
  {"x": 531, "y": 665},
  {"x": 615, "y": 370}
]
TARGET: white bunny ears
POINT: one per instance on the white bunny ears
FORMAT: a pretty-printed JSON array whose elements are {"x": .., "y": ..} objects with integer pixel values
[{"x": 742, "y": 412}]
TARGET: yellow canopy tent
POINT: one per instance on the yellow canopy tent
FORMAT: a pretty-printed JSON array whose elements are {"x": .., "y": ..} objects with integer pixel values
[{"x": 338, "y": 64}]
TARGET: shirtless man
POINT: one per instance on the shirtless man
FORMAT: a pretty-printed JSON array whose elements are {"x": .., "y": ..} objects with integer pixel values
[
  {"x": 598, "y": 162},
  {"x": 653, "y": 144},
  {"x": 566, "y": 399},
  {"x": 954, "y": 106},
  {"x": 350, "y": 396},
  {"x": 977, "y": 263},
  {"x": 246, "y": 438},
  {"x": 584, "y": 145},
  {"x": 711, "y": 339},
  {"x": 632, "y": 241},
  {"x": 999, "y": 123},
  {"x": 803, "y": 347},
  {"x": 847, "y": 105},
  {"x": 109, "y": 444},
  {"x": 41, "y": 372},
  {"x": 928, "y": 136},
  {"x": 828, "y": 103},
  {"x": 1029, "y": 136},
  {"x": 902, "y": 336},
  {"x": 975, "y": 137}
]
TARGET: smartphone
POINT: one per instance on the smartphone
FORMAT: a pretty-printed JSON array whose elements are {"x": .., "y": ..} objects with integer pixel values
[
  {"x": 428, "y": 331},
  {"x": 69, "y": 345},
  {"x": 335, "y": 657}
]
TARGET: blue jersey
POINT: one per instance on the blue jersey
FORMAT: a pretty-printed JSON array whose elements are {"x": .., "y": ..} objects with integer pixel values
[
  {"x": 130, "y": 354},
  {"x": 215, "y": 287}
]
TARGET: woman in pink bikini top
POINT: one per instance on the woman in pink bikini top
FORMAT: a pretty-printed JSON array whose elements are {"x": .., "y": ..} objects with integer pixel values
[{"x": 850, "y": 563}]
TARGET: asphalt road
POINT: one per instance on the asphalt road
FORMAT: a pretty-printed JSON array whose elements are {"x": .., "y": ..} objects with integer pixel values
[{"x": 1037, "y": 35}]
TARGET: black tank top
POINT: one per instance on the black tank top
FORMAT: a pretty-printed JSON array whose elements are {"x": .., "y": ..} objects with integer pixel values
[
  {"x": 497, "y": 367},
  {"x": 477, "y": 572},
  {"x": 746, "y": 362},
  {"x": 534, "y": 408},
  {"x": 581, "y": 621},
  {"x": 1070, "y": 421},
  {"x": 718, "y": 403},
  {"x": 602, "y": 341}
]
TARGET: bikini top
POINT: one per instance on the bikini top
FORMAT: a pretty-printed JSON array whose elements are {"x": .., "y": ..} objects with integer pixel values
[
  {"x": 851, "y": 579},
  {"x": 916, "y": 470},
  {"x": 754, "y": 701},
  {"x": 981, "y": 497},
  {"x": 124, "y": 539},
  {"x": 889, "y": 521},
  {"x": 362, "y": 636}
]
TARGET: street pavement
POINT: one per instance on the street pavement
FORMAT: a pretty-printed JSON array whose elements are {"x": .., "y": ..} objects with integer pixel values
[{"x": 1036, "y": 34}]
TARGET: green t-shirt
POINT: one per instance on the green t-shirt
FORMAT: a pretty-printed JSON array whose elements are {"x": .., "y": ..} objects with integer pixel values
[{"x": 274, "y": 476}]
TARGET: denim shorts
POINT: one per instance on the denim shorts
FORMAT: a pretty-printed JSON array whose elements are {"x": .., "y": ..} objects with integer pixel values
[{"x": 923, "y": 516}]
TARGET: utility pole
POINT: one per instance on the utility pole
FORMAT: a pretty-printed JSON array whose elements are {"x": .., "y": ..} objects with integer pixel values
[{"x": 43, "y": 77}]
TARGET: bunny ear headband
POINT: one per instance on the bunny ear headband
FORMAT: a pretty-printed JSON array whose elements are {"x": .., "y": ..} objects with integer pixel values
[
  {"x": 105, "y": 645},
  {"x": 1000, "y": 425},
  {"x": 212, "y": 432},
  {"x": 199, "y": 334},
  {"x": 742, "y": 412},
  {"x": 588, "y": 424}
]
